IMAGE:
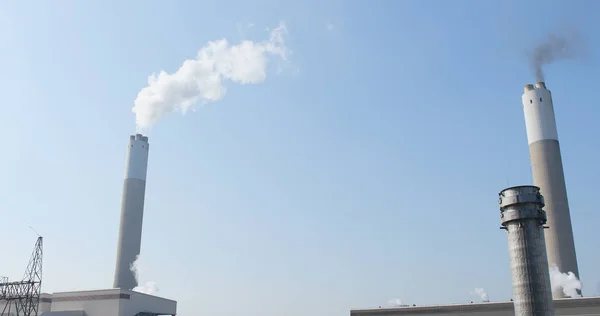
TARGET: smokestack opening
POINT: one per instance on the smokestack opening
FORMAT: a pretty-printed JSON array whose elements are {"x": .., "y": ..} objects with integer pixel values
[
  {"x": 540, "y": 85},
  {"x": 139, "y": 137},
  {"x": 528, "y": 87}
]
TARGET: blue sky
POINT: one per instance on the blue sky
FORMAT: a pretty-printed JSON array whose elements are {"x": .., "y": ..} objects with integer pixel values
[{"x": 367, "y": 171}]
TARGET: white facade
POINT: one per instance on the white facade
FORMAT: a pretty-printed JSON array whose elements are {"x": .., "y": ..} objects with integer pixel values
[
  {"x": 589, "y": 306},
  {"x": 111, "y": 302}
]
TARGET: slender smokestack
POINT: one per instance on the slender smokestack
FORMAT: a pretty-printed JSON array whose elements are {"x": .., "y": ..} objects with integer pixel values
[
  {"x": 523, "y": 219},
  {"x": 548, "y": 175},
  {"x": 132, "y": 211}
]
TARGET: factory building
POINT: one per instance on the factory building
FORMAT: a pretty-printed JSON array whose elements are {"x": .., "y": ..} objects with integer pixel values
[
  {"x": 117, "y": 302},
  {"x": 589, "y": 306},
  {"x": 113, "y": 302}
]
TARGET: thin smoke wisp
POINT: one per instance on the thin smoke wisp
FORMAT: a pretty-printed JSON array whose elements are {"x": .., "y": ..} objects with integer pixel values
[
  {"x": 201, "y": 80},
  {"x": 395, "y": 302},
  {"x": 555, "y": 47},
  {"x": 568, "y": 282},
  {"x": 149, "y": 287},
  {"x": 482, "y": 294}
]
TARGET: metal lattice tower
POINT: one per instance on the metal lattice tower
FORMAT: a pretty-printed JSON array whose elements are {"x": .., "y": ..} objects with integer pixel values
[{"x": 22, "y": 298}]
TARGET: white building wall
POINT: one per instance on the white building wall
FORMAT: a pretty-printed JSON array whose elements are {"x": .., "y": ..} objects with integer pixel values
[
  {"x": 139, "y": 302},
  {"x": 91, "y": 308},
  {"x": 94, "y": 303},
  {"x": 589, "y": 306},
  {"x": 112, "y": 302},
  {"x": 45, "y": 303},
  {"x": 69, "y": 313}
]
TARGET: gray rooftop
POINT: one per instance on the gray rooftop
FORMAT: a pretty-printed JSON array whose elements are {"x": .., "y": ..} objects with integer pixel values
[{"x": 470, "y": 308}]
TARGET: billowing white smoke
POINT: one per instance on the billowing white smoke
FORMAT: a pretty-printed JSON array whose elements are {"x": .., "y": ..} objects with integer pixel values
[
  {"x": 482, "y": 294},
  {"x": 201, "y": 79},
  {"x": 150, "y": 287},
  {"x": 395, "y": 302},
  {"x": 568, "y": 282}
]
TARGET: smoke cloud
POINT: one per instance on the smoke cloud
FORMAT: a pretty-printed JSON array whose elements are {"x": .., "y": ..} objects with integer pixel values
[
  {"x": 202, "y": 79},
  {"x": 568, "y": 282},
  {"x": 481, "y": 293},
  {"x": 553, "y": 48},
  {"x": 149, "y": 287},
  {"x": 395, "y": 302}
]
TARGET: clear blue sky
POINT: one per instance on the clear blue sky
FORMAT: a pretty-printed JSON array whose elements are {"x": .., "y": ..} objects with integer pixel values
[{"x": 369, "y": 173}]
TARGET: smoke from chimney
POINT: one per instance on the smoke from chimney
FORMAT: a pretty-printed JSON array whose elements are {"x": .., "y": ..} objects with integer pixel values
[
  {"x": 481, "y": 293},
  {"x": 396, "y": 302},
  {"x": 553, "y": 48},
  {"x": 201, "y": 79},
  {"x": 568, "y": 282},
  {"x": 150, "y": 287}
]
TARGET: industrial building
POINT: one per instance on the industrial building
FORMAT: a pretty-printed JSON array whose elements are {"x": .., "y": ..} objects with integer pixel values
[
  {"x": 114, "y": 302},
  {"x": 574, "y": 306}
]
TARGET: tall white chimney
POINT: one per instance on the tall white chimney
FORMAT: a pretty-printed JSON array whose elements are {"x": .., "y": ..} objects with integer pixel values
[
  {"x": 132, "y": 211},
  {"x": 548, "y": 175}
]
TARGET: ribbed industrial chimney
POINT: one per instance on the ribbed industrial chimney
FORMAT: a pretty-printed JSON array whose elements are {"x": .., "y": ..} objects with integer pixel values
[
  {"x": 548, "y": 175},
  {"x": 132, "y": 211},
  {"x": 523, "y": 219}
]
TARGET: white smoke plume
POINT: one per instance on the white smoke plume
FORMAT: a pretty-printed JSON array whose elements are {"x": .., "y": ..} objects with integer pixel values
[
  {"x": 202, "y": 79},
  {"x": 149, "y": 287},
  {"x": 395, "y": 302},
  {"x": 481, "y": 293},
  {"x": 555, "y": 47},
  {"x": 568, "y": 282}
]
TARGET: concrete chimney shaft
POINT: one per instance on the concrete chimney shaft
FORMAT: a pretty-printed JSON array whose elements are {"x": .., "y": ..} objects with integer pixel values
[
  {"x": 523, "y": 219},
  {"x": 132, "y": 211},
  {"x": 548, "y": 175}
]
